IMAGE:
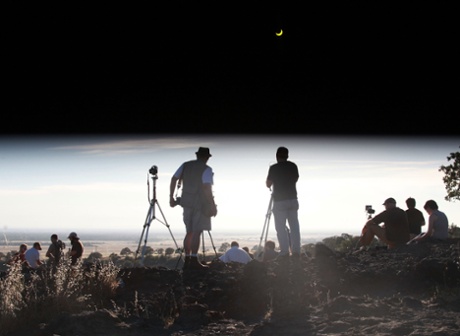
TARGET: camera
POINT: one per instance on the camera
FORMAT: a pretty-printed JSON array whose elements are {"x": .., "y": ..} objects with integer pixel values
[
  {"x": 153, "y": 170},
  {"x": 369, "y": 209},
  {"x": 177, "y": 201}
]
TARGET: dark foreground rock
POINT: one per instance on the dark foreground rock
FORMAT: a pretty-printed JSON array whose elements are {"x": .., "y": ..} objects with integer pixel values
[{"x": 414, "y": 290}]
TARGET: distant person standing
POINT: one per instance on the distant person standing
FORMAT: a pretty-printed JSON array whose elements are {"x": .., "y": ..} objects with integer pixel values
[
  {"x": 283, "y": 176},
  {"x": 33, "y": 256},
  {"x": 197, "y": 202},
  {"x": 76, "y": 252},
  {"x": 55, "y": 250},
  {"x": 438, "y": 225},
  {"x": 235, "y": 254},
  {"x": 415, "y": 218}
]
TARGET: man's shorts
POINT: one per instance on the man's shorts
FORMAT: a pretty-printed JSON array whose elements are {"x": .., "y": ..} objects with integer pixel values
[{"x": 194, "y": 221}]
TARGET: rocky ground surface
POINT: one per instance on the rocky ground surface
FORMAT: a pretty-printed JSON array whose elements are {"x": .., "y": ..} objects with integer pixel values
[{"x": 414, "y": 290}]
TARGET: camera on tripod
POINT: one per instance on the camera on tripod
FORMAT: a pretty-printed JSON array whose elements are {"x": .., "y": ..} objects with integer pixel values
[
  {"x": 369, "y": 210},
  {"x": 153, "y": 170}
]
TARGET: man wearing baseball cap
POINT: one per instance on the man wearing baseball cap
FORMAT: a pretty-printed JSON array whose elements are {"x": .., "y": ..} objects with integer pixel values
[
  {"x": 33, "y": 256},
  {"x": 394, "y": 232}
]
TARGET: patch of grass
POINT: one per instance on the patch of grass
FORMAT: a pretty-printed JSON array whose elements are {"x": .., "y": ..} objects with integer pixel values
[{"x": 38, "y": 296}]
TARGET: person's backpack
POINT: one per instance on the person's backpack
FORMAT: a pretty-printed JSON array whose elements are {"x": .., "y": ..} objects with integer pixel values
[{"x": 60, "y": 245}]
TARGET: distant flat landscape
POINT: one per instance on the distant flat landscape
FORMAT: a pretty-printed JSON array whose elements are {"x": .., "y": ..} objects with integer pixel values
[{"x": 107, "y": 243}]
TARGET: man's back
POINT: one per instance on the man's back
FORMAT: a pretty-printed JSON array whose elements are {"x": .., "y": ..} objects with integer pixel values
[
  {"x": 396, "y": 224},
  {"x": 32, "y": 256},
  {"x": 236, "y": 254},
  {"x": 415, "y": 219},
  {"x": 284, "y": 176}
]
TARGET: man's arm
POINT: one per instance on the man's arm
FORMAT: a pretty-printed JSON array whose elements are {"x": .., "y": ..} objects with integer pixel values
[
  {"x": 268, "y": 183},
  {"x": 49, "y": 254},
  {"x": 172, "y": 187}
]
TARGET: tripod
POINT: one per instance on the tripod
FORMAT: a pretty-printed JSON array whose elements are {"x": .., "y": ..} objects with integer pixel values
[
  {"x": 264, "y": 234},
  {"x": 212, "y": 243},
  {"x": 369, "y": 212},
  {"x": 151, "y": 216}
]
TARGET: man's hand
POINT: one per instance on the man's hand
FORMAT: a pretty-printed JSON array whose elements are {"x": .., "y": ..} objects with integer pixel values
[
  {"x": 172, "y": 202},
  {"x": 213, "y": 212}
]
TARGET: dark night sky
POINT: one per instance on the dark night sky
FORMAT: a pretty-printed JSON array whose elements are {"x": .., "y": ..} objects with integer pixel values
[{"x": 345, "y": 67}]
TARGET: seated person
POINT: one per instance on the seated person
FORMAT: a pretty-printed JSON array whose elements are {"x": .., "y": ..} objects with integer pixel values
[
  {"x": 20, "y": 256},
  {"x": 248, "y": 252},
  {"x": 269, "y": 252},
  {"x": 395, "y": 231},
  {"x": 235, "y": 254},
  {"x": 438, "y": 225}
]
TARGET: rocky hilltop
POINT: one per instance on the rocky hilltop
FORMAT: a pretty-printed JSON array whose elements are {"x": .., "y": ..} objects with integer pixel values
[{"x": 413, "y": 290}]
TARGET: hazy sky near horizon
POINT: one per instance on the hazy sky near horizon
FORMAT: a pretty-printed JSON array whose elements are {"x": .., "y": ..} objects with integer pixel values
[{"x": 99, "y": 183}]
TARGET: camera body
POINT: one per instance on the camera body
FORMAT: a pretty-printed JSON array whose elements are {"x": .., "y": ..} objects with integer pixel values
[
  {"x": 369, "y": 210},
  {"x": 153, "y": 170}
]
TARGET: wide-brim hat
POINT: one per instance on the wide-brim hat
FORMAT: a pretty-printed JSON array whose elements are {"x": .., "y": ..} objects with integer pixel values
[
  {"x": 203, "y": 151},
  {"x": 72, "y": 235}
]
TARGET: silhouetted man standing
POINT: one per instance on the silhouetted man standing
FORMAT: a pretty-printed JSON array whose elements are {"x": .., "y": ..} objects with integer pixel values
[
  {"x": 197, "y": 201},
  {"x": 283, "y": 176}
]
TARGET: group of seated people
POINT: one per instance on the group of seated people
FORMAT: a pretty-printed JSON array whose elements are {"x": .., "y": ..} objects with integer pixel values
[
  {"x": 403, "y": 227},
  {"x": 242, "y": 255}
]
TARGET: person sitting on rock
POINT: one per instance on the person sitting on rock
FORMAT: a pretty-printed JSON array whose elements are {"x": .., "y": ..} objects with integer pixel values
[
  {"x": 438, "y": 225},
  {"x": 235, "y": 254},
  {"x": 269, "y": 252},
  {"x": 395, "y": 231}
]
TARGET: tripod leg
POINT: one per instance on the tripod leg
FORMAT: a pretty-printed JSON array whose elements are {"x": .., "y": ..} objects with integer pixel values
[
  {"x": 266, "y": 225},
  {"x": 212, "y": 242},
  {"x": 170, "y": 232},
  {"x": 145, "y": 231}
]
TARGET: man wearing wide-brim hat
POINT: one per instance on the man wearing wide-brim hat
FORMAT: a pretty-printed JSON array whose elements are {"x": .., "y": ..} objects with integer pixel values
[
  {"x": 394, "y": 233},
  {"x": 76, "y": 252},
  {"x": 197, "y": 202}
]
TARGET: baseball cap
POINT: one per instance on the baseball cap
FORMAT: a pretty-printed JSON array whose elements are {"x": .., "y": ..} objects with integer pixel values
[{"x": 390, "y": 200}]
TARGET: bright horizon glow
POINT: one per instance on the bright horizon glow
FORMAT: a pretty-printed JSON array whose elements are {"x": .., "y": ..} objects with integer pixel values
[{"x": 99, "y": 183}]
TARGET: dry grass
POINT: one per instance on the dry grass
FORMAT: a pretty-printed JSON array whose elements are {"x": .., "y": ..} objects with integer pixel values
[{"x": 40, "y": 295}]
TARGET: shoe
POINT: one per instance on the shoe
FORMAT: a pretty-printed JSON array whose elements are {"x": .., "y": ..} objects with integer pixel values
[
  {"x": 295, "y": 257},
  {"x": 361, "y": 249},
  {"x": 282, "y": 257},
  {"x": 194, "y": 264},
  {"x": 186, "y": 263}
]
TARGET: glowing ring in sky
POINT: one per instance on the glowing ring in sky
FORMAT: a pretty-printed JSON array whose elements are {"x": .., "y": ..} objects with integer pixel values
[{"x": 280, "y": 33}]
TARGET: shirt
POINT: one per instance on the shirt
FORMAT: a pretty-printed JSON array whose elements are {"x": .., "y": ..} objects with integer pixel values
[
  {"x": 236, "y": 254},
  {"x": 284, "y": 176},
  {"x": 396, "y": 224},
  {"x": 32, "y": 255}
]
